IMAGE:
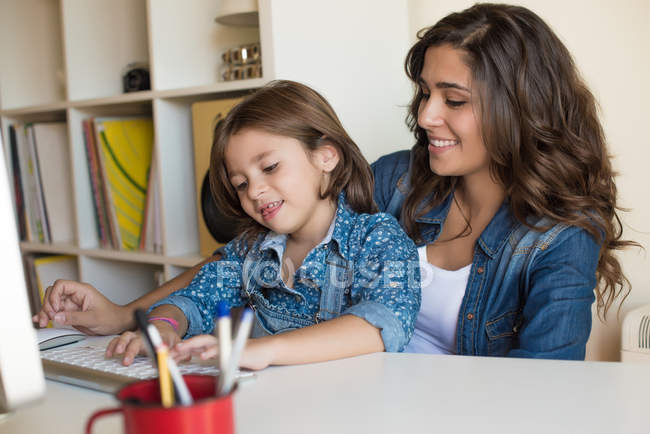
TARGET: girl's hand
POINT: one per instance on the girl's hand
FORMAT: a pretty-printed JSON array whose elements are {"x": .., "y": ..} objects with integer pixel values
[
  {"x": 258, "y": 353},
  {"x": 203, "y": 346},
  {"x": 130, "y": 344}
]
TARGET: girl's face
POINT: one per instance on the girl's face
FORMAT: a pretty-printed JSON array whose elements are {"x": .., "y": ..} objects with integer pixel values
[
  {"x": 278, "y": 182},
  {"x": 447, "y": 113}
]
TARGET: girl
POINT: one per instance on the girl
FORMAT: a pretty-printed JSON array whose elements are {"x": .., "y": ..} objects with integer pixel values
[
  {"x": 326, "y": 278},
  {"x": 509, "y": 192}
]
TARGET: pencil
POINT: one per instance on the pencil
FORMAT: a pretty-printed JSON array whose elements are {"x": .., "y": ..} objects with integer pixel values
[
  {"x": 166, "y": 391},
  {"x": 164, "y": 376},
  {"x": 230, "y": 372},
  {"x": 225, "y": 340}
]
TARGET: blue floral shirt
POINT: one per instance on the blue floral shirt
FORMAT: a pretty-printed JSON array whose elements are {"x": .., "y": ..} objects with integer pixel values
[{"x": 366, "y": 266}]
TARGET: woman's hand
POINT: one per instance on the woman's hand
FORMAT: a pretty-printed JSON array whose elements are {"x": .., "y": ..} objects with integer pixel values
[
  {"x": 258, "y": 353},
  {"x": 130, "y": 344},
  {"x": 82, "y": 306}
]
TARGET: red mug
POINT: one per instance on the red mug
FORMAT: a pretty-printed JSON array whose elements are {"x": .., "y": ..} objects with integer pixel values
[{"x": 144, "y": 414}]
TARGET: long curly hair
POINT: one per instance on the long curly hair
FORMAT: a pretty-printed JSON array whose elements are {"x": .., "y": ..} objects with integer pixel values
[
  {"x": 291, "y": 109},
  {"x": 540, "y": 126}
]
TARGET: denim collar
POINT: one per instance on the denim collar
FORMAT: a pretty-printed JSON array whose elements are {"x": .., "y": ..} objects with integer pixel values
[
  {"x": 337, "y": 231},
  {"x": 492, "y": 238}
]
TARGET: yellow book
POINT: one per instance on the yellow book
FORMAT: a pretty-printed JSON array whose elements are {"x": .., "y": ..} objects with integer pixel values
[
  {"x": 126, "y": 145},
  {"x": 50, "y": 268}
]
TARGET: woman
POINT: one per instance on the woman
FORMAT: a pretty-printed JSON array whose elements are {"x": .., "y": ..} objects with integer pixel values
[{"x": 508, "y": 192}]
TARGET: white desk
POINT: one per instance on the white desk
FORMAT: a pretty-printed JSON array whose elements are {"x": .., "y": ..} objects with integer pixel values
[{"x": 399, "y": 393}]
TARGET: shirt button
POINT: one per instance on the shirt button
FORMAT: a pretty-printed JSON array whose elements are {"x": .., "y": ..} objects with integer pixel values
[
  {"x": 470, "y": 316},
  {"x": 298, "y": 298},
  {"x": 480, "y": 270}
]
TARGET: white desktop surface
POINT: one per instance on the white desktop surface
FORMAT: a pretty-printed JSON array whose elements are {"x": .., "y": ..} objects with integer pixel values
[{"x": 398, "y": 393}]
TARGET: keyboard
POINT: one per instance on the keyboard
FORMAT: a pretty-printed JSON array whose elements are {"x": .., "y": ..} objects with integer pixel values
[{"x": 86, "y": 366}]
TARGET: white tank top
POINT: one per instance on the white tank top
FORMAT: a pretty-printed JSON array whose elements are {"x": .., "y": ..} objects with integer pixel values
[{"x": 442, "y": 295}]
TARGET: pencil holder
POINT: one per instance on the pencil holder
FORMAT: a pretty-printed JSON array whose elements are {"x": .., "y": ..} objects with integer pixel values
[{"x": 143, "y": 414}]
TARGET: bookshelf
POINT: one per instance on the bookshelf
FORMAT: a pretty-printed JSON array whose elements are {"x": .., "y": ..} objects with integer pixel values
[{"x": 62, "y": 60}]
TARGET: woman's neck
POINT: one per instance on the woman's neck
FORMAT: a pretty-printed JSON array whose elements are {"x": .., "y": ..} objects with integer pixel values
[{"x": 479, "y": 195}]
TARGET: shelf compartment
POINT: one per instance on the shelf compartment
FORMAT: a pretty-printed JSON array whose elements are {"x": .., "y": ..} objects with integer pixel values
[
  {"x": 173, "y": 151},
  {"x": 100, "y": 41},
  {"x": 191, "y": 54},
  {"x": 31, "y": 66},
  {"x": 85, "y": 205}
]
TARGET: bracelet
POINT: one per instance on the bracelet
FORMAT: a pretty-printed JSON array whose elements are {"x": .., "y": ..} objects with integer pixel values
[{"x": 171, "y": 321}]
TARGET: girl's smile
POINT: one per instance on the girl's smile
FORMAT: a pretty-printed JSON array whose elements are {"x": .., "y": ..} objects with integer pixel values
[{"x": 271, "y": 209}]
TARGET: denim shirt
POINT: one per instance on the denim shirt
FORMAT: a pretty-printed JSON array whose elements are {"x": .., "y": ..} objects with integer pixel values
[
  {"x": 366, "y": 266},
  {"x": 529, "y": 292}
]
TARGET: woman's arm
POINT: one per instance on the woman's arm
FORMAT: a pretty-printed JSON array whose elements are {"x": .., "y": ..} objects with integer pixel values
[
  {"x": 557, "y": 313},
  {"x": 82, "y": 306}
]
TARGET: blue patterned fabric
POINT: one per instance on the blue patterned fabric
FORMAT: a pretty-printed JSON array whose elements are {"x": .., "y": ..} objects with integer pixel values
[{"x": 366, "y": 266}]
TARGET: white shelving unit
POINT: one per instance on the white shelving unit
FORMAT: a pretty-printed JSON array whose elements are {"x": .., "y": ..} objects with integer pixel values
[{"x": 62, "y": 60}]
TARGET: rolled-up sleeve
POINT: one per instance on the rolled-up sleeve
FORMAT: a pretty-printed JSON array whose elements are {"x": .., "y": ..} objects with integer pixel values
[
  {"x": 386, "y": 287},
  {"x": 216, "y": 281}
]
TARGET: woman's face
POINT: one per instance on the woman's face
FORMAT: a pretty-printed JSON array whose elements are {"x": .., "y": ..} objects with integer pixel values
[{"x": 448, "y": 113}]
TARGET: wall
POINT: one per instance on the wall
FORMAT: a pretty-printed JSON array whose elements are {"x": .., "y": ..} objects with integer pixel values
[{"x": 610, "y": 42}]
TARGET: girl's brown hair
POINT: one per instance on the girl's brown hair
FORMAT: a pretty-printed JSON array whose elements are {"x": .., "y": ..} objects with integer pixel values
[
  {"x": 539, "y": 123},
  {"x": 290, "y": 109}
]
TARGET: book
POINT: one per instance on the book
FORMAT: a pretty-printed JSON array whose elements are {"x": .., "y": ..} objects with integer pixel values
[
  {"x": 39, "y": 198},
  {"x": 18, "y": 187},
  {"x": 51, "y": 141},
  {"x": 96, "y": 184},
  {"x": 32, "y": 216},
  {"x": 107, "y": 197},
  {"x": 31, "y": 283},
  {"x": 205, "y": 117},
  {"x": 50, "y": 268},
  {"x": 150, "y": 238},
  {"x": 125, "y": 146},
  {"x": 42, "y": 271}
]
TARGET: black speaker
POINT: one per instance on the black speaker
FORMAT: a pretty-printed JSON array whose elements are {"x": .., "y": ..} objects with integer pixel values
[
  {"x": 222, "y": 228},
  {"x": 136, "y": 78}
]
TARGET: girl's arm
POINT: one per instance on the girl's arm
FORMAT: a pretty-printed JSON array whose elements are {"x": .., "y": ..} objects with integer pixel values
[
  {"x": 130, "y": 344},
  {"x": 345, "y": 336}
]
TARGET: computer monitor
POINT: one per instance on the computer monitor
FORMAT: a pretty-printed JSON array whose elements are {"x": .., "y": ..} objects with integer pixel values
[{"x": 21, "y": 372}]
